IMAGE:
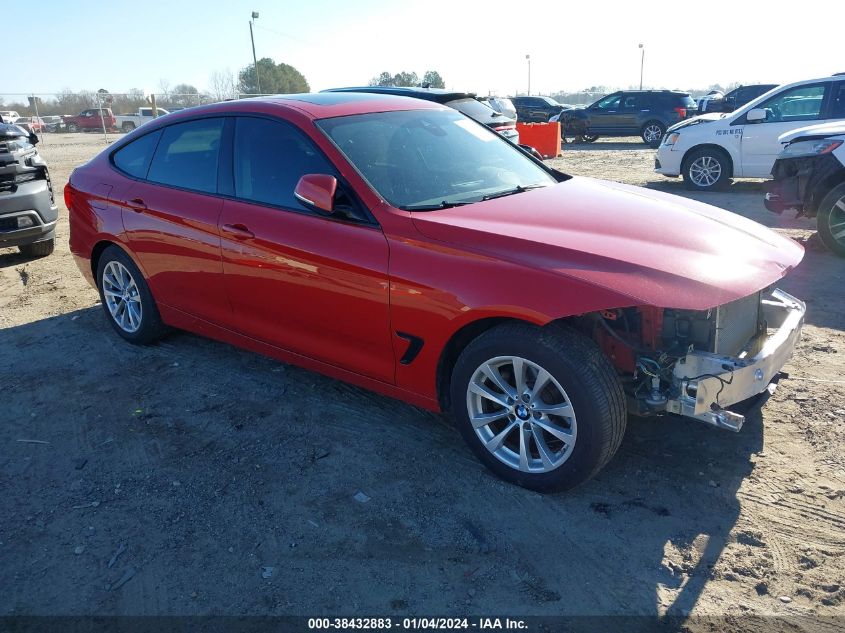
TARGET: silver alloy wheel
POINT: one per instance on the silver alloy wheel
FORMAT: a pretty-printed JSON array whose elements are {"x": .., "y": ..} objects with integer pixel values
[
  {"x": 705, "y": 171},
  {"x": 652, "y": 133},
  {"x": 123, "y": 299},
  {"x": 836, "y": 221},
  {"x": 521, "y": 414}
]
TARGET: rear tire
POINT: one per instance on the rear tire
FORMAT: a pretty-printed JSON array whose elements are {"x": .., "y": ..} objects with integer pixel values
[
  {"x": 38, "y": 249},
  {"x": 706, "y": 169},
  {"x": 830, "y": 219},
  {"x": 127, "y": 127},
  {"x": 652, "y": 133},
  {"x": 563, "y": 430},
  {"x": 127, "y": 301}
]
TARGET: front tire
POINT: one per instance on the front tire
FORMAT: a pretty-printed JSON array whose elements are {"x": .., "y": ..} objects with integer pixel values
[
  {"x": 652, "y": 133},
  {"x": 540, "y": 407},
  {"x": 126, "y": 298},
  {"x": 72, "y": 127},
  {"x": 706, "y": 169},
  {"x": 38, "y": 249},
  {"x": 830, "y": 219}
]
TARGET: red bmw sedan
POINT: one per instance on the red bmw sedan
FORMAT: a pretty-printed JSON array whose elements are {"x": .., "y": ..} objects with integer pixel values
[{"x": 399, "y": 245}]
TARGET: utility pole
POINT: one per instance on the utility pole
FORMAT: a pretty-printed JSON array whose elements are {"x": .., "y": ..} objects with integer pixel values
[
  {"x": 528, "y": 57},
  {"x": 254, "y": 59},
  {"x": 642, "y": 61}
]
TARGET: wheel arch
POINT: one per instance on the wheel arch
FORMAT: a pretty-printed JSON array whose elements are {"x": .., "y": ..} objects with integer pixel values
[
  {"x": 821, "y": 189},
  {"x": 462, "y": 337},
  {"x": 712, "y": 146},
  {"x": 100, "y": 247}
]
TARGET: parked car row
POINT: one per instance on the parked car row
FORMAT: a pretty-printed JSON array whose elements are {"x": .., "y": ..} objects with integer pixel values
[
  {"x": 86, "y": 121},
  {"x": 710, "y": 149}
]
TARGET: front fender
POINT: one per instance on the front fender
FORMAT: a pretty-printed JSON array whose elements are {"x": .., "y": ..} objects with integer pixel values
[{"x": 436, "y": 290}]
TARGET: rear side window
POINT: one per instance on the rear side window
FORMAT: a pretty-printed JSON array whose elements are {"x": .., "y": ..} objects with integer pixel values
[
  {"x": 187, "y": 155},
  {"x": 134, "y": 159},
  {"x": 270, "y": 157},
  {"x": 630, "y": 102}
]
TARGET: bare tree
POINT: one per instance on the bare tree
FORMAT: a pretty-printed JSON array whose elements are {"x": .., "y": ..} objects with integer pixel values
[
  {"x": 164, "y": 86},
  {"x": 222, "y": 85}
]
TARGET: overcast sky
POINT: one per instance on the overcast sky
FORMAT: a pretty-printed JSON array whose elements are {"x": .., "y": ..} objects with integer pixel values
[{"x": 476, "y": 46}]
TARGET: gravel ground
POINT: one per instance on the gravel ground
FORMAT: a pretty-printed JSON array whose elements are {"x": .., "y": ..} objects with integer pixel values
[{"x": 191, "y": 477}]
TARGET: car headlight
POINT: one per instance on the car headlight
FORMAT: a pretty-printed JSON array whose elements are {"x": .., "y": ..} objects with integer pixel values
[
  {"x": 671, "y": 139},
  {"x": 810, "y": 148}
]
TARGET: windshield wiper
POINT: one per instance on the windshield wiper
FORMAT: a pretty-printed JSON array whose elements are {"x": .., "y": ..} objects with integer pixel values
[
  {"x": 433, "y": 207},
  {"x": 510, "y": 192}
]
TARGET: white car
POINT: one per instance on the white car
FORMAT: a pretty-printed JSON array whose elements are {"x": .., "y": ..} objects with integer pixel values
[
  {"x": 710, "y": 149},
  {"x": 809, "y": 178},
  {"x": 9, "y": 116}
]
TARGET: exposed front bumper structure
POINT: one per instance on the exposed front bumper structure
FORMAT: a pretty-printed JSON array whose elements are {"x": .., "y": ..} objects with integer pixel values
[{"x": 706, "y": 383}]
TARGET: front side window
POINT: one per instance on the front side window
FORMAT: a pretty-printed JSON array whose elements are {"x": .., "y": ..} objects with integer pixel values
[
  {"x": 609, "y": 103},
  {"x": 187, "y": 155},
  {"x": 803, "y": 103},
  {"x": 134, "y": 158},
  {"x": 837, "y": 101},
  {"x": 270, "y": 157},
  {"x": 428, "y": 159}
]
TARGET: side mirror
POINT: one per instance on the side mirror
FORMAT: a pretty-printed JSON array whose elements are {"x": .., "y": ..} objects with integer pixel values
[
  {"x": 33, "y": 138},
  {"x": 756, "y": 115},
  {"x": 316, "y": 191}
]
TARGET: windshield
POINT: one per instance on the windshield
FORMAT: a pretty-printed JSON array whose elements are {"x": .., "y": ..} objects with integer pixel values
[{"x": 428, "y": 159}]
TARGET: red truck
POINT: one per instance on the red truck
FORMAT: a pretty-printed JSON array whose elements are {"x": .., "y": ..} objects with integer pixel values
[{"x": 90, "y": 119}]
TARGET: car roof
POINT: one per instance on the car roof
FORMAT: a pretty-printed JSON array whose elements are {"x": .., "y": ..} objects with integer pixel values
[
  {"x": 438, "y": 95},
  {"x": 320, "y": 105}
]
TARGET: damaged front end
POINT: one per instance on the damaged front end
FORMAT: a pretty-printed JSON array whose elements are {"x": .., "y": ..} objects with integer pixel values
[
  {"x": 799, "y": 182},
  {"x": 699, "y": 363}
]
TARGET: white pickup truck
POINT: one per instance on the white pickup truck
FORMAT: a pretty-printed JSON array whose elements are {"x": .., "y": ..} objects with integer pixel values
[
  {"x": 710, "y": 149},
  {"x": 128, "y": 122}
]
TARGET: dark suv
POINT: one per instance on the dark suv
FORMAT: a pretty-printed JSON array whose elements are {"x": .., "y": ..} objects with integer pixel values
[
  {"x": 736, "y": 98},
  {"x": 536, "y": 109},
  {"x": 646, "y": 113}
]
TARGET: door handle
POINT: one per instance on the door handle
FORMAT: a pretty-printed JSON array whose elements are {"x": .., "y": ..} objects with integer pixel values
[
  {"x": 238, "y": 231},
  {"x": 137, "y": 205}
]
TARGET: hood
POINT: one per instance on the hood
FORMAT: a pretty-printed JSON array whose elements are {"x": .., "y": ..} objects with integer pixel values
[
  {"x": 835, "y": 128},
  {"x": 697, "y": 120},
  {"x": 650, "y": 248},
  {"x": 8, "y": 130}
]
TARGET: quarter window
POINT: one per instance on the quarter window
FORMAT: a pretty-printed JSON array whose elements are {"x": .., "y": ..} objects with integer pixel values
[
  {"x": 134, "y": 158},
  {"x": 609, "y": 103},
  {"x": 270, "y": 157},
  {"x": 187, "y": 155}
]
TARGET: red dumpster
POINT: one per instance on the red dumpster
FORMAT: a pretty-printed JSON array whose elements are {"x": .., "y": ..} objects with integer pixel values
[{"x": 544, "y": 137}]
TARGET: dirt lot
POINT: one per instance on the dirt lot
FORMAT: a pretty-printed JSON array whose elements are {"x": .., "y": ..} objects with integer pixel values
[{"x": 191, "y": 477}]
